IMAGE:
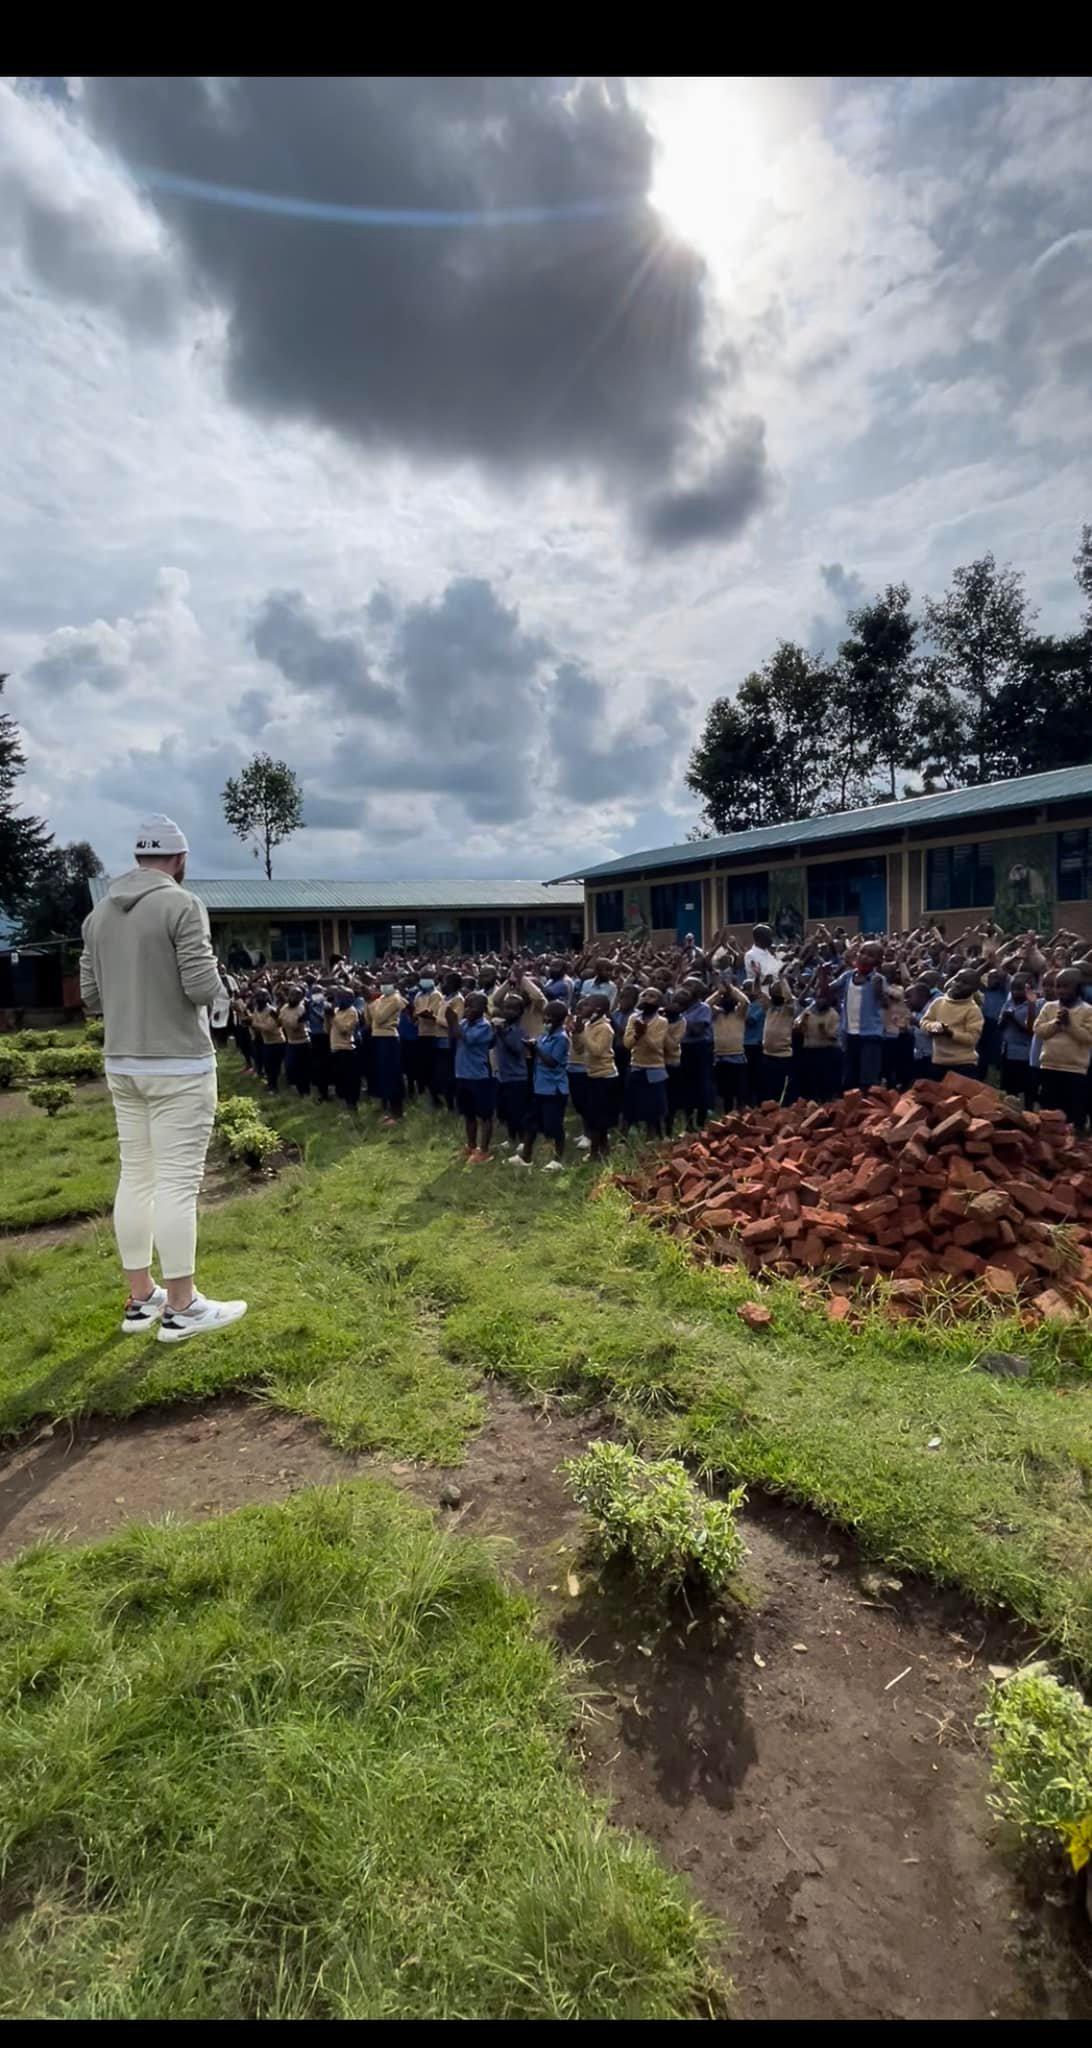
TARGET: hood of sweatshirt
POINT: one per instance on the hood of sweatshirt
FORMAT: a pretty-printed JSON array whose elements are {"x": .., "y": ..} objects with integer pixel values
[{"x": 130, "y": 889}]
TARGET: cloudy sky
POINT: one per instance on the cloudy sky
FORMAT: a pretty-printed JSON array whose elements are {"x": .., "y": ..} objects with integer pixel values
[{"x": 459, "y": 440}]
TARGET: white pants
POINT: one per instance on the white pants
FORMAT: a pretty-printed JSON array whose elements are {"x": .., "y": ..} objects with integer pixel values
[{"x": 164, "y": 1125}]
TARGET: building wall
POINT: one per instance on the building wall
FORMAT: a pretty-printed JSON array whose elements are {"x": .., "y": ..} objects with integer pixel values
[{"x": 1025, "y": 885}]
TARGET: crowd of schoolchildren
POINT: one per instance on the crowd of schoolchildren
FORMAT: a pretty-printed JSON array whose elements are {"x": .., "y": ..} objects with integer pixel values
[{"x": 655, "y": 1040}]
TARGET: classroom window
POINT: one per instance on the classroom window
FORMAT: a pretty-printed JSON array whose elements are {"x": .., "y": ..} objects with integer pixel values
[
  {"x": 480, "y": 935},
  {"x": 847, "y": 888},
  {"x": 551, "y": 934},
  {"x": 1074, "y": 880},
  {"x": 748, "y": 899},
  {"x": 608, "y": 910},
  {"x": 403, "y": 938},
  {"x": 295, "y": 942},
  {"x": 676, "y": 907},
  {"x": 959, "y": 878}
]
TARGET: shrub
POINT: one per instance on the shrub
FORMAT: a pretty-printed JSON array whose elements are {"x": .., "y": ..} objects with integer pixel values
[
  {"x": 69, "y": 1063},
  {"x": 246, "y": 1135},
  {"x": 1040, "y": 1737},
  {"x": 35, "y": 1041},
  {"x": 16, "y": 1068},
  {"x": 52, "y": 1096},
  {"x": 94, "y": 1031},
  {"x": 651, "y": 1511}
]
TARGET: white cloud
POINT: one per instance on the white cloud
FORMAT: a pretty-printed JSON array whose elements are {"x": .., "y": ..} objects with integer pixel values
[{"x": 883, "y": 303}]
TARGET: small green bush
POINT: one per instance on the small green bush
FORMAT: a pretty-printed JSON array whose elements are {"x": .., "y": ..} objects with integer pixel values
[
  {"x": 69, "y": 1063},
  {"x": 1040, "y": 1737},
  {"x": 651, "y": 1511},
  {"x": 52, "y": 1096},
  {"x": 35, "y": 1041},
  {"x": 16, "y": 1068},
  {"x": 245, "y": 1133},
  {"x": 94, "y": 1031}
]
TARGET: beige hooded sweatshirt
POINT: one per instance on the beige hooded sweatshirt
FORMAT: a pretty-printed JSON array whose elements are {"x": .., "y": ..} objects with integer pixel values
[{"x": 149, "y": 969}]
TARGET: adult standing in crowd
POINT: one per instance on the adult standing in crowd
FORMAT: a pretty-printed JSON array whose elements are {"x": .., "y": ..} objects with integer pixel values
[{"x": 148, "y": 967}]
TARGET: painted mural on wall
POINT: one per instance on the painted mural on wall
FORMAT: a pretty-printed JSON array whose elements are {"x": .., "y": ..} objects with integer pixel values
[
  {"x": 788, "y": 903},
  {"x": 1023, "y": 882},
  {"x": 636, "y": 912}
]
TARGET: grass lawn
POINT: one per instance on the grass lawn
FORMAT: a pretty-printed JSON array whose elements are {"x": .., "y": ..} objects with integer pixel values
[
  {"x": 386, "y": 1278},
  {"x": 58, "y": 1167},
  {"x": 309, "y": 1761}
]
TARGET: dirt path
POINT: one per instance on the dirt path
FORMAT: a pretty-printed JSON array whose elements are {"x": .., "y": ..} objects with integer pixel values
[{"x": 827, "y": 1800}]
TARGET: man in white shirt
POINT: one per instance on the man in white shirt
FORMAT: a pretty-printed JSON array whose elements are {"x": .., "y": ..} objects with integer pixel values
[
  {"x": 148, "y": 967},
  {"x": 760, "y": 963}
]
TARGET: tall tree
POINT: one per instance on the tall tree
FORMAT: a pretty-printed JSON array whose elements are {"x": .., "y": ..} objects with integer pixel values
[
  {"x": 23, "y": 840},
  {"x": 57, "y": 898},
  {"x": 979, "y": 632},
  {"x": 767, "y": 754},
  {"x": 264, "y": 803},
  {"x": 1082, "y": 563},
  {"x": 876, "y": 677}
]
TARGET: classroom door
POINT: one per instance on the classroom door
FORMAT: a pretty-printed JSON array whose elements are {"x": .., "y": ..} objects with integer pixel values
[
  {"x": 361, "y": 945},
  {"x": 688, "y": 914},
  {"x": 873, "y": 898}
]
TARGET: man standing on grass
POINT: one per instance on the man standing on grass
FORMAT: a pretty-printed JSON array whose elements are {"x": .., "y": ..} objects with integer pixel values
[{"x": 148, "y": 967}]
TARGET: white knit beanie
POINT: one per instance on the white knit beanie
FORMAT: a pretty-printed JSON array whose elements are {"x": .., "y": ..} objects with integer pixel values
[{"x": 159, "y": 834}]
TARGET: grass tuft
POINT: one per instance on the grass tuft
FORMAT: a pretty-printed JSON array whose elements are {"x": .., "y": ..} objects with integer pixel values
[{"x": 309, "y": 1762}]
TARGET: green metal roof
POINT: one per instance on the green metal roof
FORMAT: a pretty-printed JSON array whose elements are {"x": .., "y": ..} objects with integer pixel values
[
  {"x": 254, "y": 893},
  {"x": 952, "y": 806}
]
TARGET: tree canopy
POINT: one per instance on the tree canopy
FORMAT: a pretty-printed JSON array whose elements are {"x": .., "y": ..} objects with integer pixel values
[
  {"x": 967, "y": 692},
  {"x": 264, "y": 803}
]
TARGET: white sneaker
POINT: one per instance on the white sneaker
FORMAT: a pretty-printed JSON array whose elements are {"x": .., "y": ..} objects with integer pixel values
[
  {"x": 201, "y": 1315},
  {"x": 518, "y": 1159},
  {"x": 583, "y": 1144},
  {"x": 553, "y": 1166},
  {"x": 140, "y": 1316}
]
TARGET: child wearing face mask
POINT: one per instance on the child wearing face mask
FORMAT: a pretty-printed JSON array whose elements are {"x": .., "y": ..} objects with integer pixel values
[
  {"x": 428, "y": 1013},
  {"x": 383, "y": 1014},
  {"x": 645, "y": 1100}
]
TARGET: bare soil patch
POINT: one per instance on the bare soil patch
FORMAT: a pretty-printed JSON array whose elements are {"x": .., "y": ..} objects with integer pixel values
[{"x": 827, "y": 1801}]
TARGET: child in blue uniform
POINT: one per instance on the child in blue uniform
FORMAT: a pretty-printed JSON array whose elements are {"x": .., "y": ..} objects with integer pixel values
[
  {"x": 550, "y": 1087},
  {"x": 475, "y": 1088}
]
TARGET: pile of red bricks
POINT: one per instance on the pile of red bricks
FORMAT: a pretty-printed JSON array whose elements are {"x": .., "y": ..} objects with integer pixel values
[{"x": 946, "y": 1183}]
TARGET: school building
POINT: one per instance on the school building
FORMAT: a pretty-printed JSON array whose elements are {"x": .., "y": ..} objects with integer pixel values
[
  {"x": 295, "y": 921},
  {"x": 1020, "y": 851}
]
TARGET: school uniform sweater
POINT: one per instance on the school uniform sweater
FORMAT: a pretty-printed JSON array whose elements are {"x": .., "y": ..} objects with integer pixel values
[
  {"x": 599, "y": 1050},
  {"x": 673, "y": 1038},
  {"x": 343, "y": 1025},
  {"x": 265, "y": 1023},
  {"x": 293, "y": 1022},
  {"x": 428, "y": 1011},
  {"x": 1066, "y": 1053},
  {"x": 728, "y": 1028},
  {"x": 777, "y": 1032},
  {"x": 962, "y": 1020},
  {"x": 383, "y": 1015},
  {"x": 648, "y": 1049},
  {"x": 534, "y": 1016},
  {"x": 819, "y": 1029}
]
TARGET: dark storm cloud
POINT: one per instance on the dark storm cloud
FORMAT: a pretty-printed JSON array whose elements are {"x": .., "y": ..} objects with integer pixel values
[
  {"x": 596, "y": 765},
  {"x": 287, "y": 633},
  {"x": 718, "y": 505},
  {"x": 563, "y": 342}
]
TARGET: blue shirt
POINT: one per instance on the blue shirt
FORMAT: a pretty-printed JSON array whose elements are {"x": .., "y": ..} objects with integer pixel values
[
  {"x": 1015, "y": 1038},
  {"x": 316, "y": 1013},
  {"x": 993, "y": 1002},
  {"x": 472, "y": 1044},
  {"x": 871, "y": 1019},
  {"x": 699, "y": 1024},
  {"x": 407, "y": 1022},
  {"x": 560, "y": 991},
  {"x": 551, "y": 1060},
  {"x": 510, "y": 1052},
  {"x": 755, "y": 1024}
]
